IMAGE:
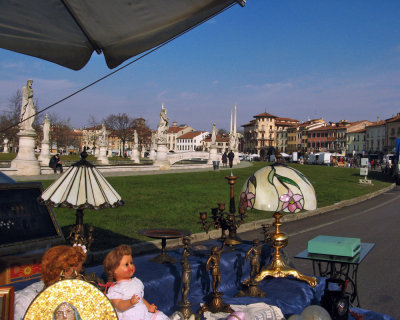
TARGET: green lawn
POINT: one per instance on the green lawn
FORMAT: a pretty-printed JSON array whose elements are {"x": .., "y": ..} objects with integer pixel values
[{"x": 174, "y": 200}]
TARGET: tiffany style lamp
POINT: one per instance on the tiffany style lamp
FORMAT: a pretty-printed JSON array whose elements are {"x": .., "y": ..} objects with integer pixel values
[
  {"x": 81, "y": 187},
  {"x": 279, "y": 188}
]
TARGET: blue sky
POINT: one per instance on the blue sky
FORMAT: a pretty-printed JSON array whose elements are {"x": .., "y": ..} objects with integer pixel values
[{"x": 296, "y": 59}]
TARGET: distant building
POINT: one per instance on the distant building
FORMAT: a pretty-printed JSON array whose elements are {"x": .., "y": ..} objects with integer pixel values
[
  {"x": 392, "y": 132},
  {"x": 356, "y": 143},
  {"x": 222, "y": 141},
  {"x": 191, "y": 141},
  {"x": 298, "y": 137},
  {"x": 375, "y": 135},
  {"x": 249, "y": 144},
  {"x": 174, "y": 132},
  {"x": 282, "y": 124}
]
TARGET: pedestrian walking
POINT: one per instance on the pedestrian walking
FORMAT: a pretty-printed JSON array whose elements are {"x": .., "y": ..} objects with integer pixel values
[
  {"x": 231, "y": 155},
  {"x": 224, "y": 159}
]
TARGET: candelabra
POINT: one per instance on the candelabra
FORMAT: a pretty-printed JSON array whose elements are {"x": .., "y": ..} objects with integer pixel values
[{"x": 226, "y": 221}]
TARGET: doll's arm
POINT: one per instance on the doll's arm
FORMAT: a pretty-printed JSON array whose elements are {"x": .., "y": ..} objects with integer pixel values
[
  {"x": 151, "y": 307},
  {"x": 123, "y": 305}
]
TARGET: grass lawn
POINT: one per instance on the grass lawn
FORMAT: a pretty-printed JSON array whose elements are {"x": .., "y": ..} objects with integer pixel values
[{"x": 174, "y": 200}]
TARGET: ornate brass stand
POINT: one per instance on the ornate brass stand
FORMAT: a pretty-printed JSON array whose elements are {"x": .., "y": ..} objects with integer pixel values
[
  {"x": 277, "y": 268},
  {"x": 225, "y": 220},
  {"x": 77, "y": 232}
]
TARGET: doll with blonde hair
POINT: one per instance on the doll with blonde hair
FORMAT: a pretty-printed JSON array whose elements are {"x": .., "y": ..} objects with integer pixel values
[{"x": 127, "y": 293}]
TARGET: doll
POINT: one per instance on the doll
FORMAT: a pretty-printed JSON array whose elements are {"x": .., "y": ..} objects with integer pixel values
[
  {"x": 127, "y": 293},
  {"x": 55, "y": 261}
]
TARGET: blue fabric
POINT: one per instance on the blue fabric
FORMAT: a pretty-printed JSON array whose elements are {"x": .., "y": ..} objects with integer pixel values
[
  {"x": 369, "y": 315},
  {"x": 163, "y": 282}
]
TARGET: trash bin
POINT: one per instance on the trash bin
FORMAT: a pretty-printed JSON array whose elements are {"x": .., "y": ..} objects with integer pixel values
[{"x": 216, "y": 165}]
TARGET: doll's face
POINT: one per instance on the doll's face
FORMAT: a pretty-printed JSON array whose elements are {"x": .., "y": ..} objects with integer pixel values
[{"x": 125, "y": 269}]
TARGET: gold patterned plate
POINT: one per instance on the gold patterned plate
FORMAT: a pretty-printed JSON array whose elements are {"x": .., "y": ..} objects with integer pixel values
[{"x": 85, "y": 300}]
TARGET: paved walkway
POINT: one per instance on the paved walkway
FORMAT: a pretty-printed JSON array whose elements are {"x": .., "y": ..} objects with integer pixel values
[{"x": 174, "y": 169}]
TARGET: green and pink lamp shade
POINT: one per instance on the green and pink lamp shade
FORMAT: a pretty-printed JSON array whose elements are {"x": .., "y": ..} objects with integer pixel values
[{"x": 278, "y": 188}]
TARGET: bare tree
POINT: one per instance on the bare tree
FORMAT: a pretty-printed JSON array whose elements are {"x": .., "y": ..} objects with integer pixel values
[
  {"x": 61, "y": 133},
  {"x": 122, "y": 126},
  {"x": 143, "y": 131}
]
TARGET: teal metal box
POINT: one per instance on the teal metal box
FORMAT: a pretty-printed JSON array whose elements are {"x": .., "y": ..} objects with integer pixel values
[{"x": 338, "y": 246}]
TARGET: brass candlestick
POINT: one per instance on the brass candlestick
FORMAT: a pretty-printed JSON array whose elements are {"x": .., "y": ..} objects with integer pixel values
[
  {"x": 277, "y": 268},
  {"x": 226, "y": 221}
]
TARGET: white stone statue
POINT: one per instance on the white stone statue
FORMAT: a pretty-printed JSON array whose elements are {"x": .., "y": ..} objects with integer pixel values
[
  {"x": 154, "y": 141},
  {"x": 5, "y": 142},
  {"x": 135, "y": 138},
  {"x": 103, "y": 136},
  {"x": 214, "y": 134},
  {"x": 163, "y": 126},
  {"x": 46, "y": 130},
  {"x": 27, "y": 107},
  {"x": 232, "y": 141}
]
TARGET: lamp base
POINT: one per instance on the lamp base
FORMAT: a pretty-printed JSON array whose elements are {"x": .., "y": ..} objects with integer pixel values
[{"x": 277, "y": 268}]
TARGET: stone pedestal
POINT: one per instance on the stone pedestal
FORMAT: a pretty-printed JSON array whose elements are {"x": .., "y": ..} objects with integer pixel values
[
  {"x": 102, "y": 157},
  {"x": 162, "y": 157},
  {"x": 44, "y": 157},
  {"x": 26, "y": 162},
  {"x": 135, "y": 155},
  {"x": 236, "y": 159},
  {"x": 152, "y": 155},
  {"x": 5, "y": 149},
  {"x": 213, "y": 155}
]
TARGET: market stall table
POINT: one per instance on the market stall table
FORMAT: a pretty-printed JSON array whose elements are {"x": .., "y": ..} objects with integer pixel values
[{"x": 335, "y": 267}]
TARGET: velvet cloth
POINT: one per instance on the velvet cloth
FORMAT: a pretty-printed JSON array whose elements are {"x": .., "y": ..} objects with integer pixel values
[{"x": 162, "y": 282}]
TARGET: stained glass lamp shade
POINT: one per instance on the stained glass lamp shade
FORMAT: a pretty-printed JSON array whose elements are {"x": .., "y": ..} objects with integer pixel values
[
  {"x": 279, "y": 188},
  {"x": 82, "y": 186}
]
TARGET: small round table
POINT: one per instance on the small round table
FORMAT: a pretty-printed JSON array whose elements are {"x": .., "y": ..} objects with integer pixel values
[{"x": 164, "y": 234}]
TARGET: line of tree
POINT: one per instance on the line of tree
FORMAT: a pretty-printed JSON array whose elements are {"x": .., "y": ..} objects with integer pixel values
[{"x": 62, "y": 134}]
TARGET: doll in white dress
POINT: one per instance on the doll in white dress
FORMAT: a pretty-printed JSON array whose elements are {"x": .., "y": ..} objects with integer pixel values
[{"x": 127, "y": 293}]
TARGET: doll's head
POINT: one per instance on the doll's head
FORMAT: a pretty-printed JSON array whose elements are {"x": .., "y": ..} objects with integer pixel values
[
  {"x": 118, "y": 264},
  {"x": 61, "y": 258}
]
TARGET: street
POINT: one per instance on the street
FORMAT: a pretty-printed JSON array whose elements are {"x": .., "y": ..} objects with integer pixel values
[{"x": 373, "y": 221}]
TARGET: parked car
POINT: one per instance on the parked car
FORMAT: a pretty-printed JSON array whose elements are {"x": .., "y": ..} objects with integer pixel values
[{"x": 252, "y": 157}]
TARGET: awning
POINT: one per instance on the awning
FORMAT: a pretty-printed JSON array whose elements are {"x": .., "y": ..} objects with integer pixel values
[{"x": 67, "y": 32}]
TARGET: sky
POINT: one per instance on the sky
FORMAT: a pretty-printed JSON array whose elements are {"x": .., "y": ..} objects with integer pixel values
[{"x": 295, "y": 59}]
